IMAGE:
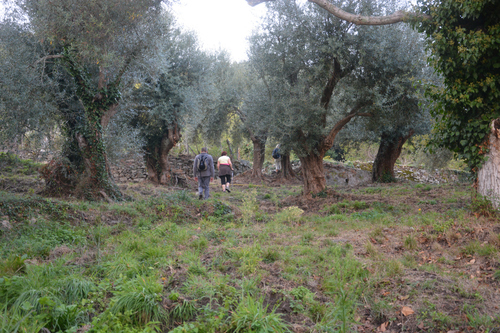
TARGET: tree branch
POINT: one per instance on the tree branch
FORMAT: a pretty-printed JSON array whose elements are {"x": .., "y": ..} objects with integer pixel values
[
  {"x": 256, "y": 2},
  {"x": 108, "y": 114},
  {"x": 47, "y": 57},
  {"x": 328, "y": 142},
  {"x": 128, "y": 61},
  {"x": 399, "y": 16}
]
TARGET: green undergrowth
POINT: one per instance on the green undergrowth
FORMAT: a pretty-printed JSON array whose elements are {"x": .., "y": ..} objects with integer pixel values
[
  {"x": 12, "y": 164},
  {"x": 173, "y": 263}
]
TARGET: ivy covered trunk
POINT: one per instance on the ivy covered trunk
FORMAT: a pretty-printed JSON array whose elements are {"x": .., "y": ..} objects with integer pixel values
[
  {"x": 313, "y": 174},
  {"x": 96, "y": 179},
  {"x": 156, "y": 156},
  {"x": 488, "y": 177},
  {"x": 88, "y": 162},
  {"x": 259, "y": 155},
  {"x": 387, "y": 155}
]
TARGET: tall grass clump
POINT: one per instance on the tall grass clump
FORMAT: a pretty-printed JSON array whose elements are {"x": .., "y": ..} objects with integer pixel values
[
  {"x": 251, "y": 316},
  {"x": 13, "y": 322},
  {"x": 75, "y": 288},
  {"x": 141, "y": 297}
]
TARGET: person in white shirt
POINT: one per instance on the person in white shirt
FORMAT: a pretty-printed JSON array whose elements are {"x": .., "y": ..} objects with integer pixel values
[{"x": 225, "y": 168}]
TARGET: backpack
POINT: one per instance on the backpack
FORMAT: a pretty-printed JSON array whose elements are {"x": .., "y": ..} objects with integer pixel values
[
  {"x": 202, "y": 164},
  {"x": 276, "y": 153}
]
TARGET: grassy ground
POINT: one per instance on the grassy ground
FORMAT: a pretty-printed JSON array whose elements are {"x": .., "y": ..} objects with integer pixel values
[{"x": 400, "y": 257}]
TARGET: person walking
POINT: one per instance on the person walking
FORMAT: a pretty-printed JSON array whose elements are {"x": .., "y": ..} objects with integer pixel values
[
  {"x": 203, "y": 169},
  {"x": 277, "y": 157},
  {"x": 225, "y": 168}
]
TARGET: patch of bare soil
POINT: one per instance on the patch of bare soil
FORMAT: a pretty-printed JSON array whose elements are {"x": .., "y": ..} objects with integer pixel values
[{"x": 59, "y": 252}]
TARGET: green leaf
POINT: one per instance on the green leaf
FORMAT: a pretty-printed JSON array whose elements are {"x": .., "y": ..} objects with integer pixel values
[{"x": 46, "y": 301}]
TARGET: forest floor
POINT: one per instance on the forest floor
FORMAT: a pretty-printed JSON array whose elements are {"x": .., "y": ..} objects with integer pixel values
[{"x": 398, "y": 257}]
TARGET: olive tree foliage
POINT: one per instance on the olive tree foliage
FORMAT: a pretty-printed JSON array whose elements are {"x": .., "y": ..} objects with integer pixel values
[
  {"x": 242, "y": 110},
  {"x": 220, "y": 88},
  {"x": 321, "y": 72},
  {"x": 402, "y": 110},
  {"x": 167, "y": 92},
  {"x": 26, "y": 100},
  {"x": 95, "y": 43},
  {"x": 255, "y": 114}
]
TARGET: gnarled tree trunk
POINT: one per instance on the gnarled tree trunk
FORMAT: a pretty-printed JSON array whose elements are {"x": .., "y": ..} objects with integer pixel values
[
  {"x": 312, "y": 164},
  {"x": 387, "y": 155},
  {"x": 259, "y": 155},
  {"x": 286, "y": 167},
  {"x": 157, "y": 165},
  {"x": 488, "y": 177},
  {"x": 313, "y": 174}
]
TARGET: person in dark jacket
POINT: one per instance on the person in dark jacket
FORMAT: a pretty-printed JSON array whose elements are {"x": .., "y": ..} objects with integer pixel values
[{"x": 203, "y": 175}]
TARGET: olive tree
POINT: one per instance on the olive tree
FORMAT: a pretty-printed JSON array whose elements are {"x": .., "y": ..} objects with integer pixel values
[
  {"x": 168, "y": 91},
  {"x": 95, "y": 42}
]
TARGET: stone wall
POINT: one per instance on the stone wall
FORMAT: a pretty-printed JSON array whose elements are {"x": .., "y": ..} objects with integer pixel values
[{"x": 134, "y": 170}]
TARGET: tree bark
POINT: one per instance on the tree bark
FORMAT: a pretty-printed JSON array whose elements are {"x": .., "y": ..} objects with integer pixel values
[
  {"x": 488, "y": 177},
  {"x": 157, "y": 165},
  {"x": 231, "y": 154},
  {"x": 387, "y": 155},
  {"x": 286, "y": 168},
  {"x": 399, "y": 16},
  {"x": 313, "y": 162},
  {"x": 259, "y": 155},
  {"x": 152, "y": 163},
  {"x": 313, "y": 174}
]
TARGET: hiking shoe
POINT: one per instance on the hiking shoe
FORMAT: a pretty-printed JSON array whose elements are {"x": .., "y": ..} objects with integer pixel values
[
  {"x": 227, "y": 190},
  {"x": 200, "y": 196}
]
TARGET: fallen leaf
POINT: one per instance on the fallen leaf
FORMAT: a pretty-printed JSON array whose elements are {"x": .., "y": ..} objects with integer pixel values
[
  {"x": 402, "y": 298},
  {"x": 421, "y": 326},
  {"x": 472, "y": 261},
  {"x": 406, "y": 311},
  {"x": 383, "y": 327}
]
